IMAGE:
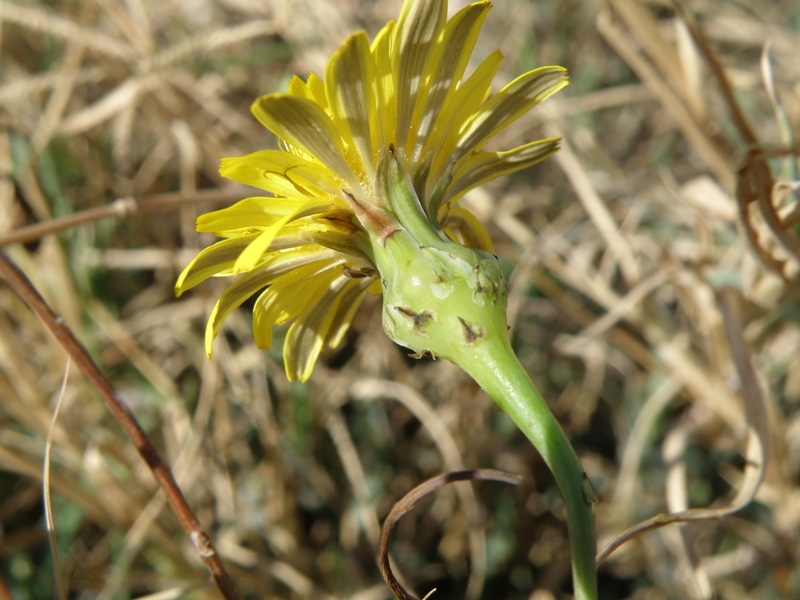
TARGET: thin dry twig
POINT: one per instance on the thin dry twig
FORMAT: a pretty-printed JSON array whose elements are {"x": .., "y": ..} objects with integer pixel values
[
  {"x": 407, "y": 503},
  {"x": 118, "y": 209},
  {"x": 191, "y": 525}
]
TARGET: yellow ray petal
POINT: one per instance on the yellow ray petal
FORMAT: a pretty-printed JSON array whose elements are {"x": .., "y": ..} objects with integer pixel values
[
  {"x": 313, "y": 90},
  {"x": 249, "y": 283},
  {"x": 384, "y": 82},
  {"x": 254, "y": 252},
  {"x": 286, "y": 297},
  {"x": 349, "y": 85},
  {"x": 420, "y": 25},
  {"x": 460, "y": 35},
  {"x": 279, "y": 172},
  {"x": 463, "y": 227},
  {"x": 298, "y": 87},
  {"x": 317, "y": 89},
  {"x": 306, "y": 338},
  {"x": 304, "y": 123},
  {"x": 231, "y": 299},
  {"x": 210, "y": 261},
  {"x": 510, "y": 103},
  {"x": 476, "y": 169},
  {"x": 351, "y": 298},
  {"x": 249, "y": 214},
  {"x": 456, "y": 111}
]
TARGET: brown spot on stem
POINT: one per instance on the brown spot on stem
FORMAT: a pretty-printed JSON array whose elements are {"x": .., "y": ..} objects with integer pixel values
[
  {"x": 419, "y": 320},
  {"x": 472, "y": 331}
]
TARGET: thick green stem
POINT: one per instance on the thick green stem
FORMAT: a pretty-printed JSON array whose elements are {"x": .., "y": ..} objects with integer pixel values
[
  {"x": 498, "y": 371},
  {"x": 447, "y": 300}
]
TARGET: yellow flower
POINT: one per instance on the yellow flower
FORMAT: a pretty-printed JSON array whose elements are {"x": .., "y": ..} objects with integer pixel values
[{"x": 402, "y": 99}]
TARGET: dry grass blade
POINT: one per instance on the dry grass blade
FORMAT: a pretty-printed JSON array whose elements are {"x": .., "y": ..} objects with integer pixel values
[
  {"x": 754, "y": 182},
  {"x": 657, "y": 65},
  {"x": 781, "y": 115},
  {"x": 209, "y": 41},
  {"x": 48, "y": 508},
  {"x": 44, "y": 20},
  {"x": 407, "y": 503},
  {"x": 757, "y": 449},
  {"x": 200, "y": 540},
  {"x": 118, "y": 209},
  {"x": 597, "y": 210}
]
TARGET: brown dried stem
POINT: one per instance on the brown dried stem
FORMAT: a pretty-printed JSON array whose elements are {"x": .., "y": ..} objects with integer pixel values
[
  {"x": 122, "y": 207},
  {"x": 200, "y": 540}
]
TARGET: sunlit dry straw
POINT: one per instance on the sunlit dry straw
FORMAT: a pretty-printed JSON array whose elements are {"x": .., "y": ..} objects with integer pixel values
[
  {"x": 657, "y": 66},
  {"x": 61, "y": 589},
  {"x": 597, "y": 210},
  {"x": 44, "y": 20},
  {"x": 757, "y": 449}
]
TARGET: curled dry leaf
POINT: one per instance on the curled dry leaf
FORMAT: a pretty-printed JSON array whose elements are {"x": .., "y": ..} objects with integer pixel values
[{"x": 407, "y": 502}]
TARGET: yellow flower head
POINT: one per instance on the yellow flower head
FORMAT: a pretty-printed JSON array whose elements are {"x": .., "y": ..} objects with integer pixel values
[{"x": 402, "y": 99}]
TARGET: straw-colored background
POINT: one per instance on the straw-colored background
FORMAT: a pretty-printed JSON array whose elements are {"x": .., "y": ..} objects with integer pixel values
[{"x": 637, "y": 303}]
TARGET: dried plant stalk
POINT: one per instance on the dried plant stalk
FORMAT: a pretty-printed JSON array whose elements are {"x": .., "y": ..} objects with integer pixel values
[{"x": 191, "y": 525}]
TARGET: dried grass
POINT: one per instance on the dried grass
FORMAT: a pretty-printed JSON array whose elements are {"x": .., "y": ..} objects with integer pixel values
[{"x": 650, "y": 263}]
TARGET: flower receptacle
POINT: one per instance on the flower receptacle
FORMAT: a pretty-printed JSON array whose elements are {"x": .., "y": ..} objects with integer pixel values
[
  {"x": 440, "y": 297},
  {"x": 444, "y": 300}
]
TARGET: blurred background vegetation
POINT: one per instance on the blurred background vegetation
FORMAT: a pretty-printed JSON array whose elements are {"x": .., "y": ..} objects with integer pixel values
[{"x": 114, "y": 115}]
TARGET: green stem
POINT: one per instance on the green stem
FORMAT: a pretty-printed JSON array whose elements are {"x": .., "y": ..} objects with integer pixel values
[
  {"x": 448, "y": 300},
  {"x": 498, "y": 371}
]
